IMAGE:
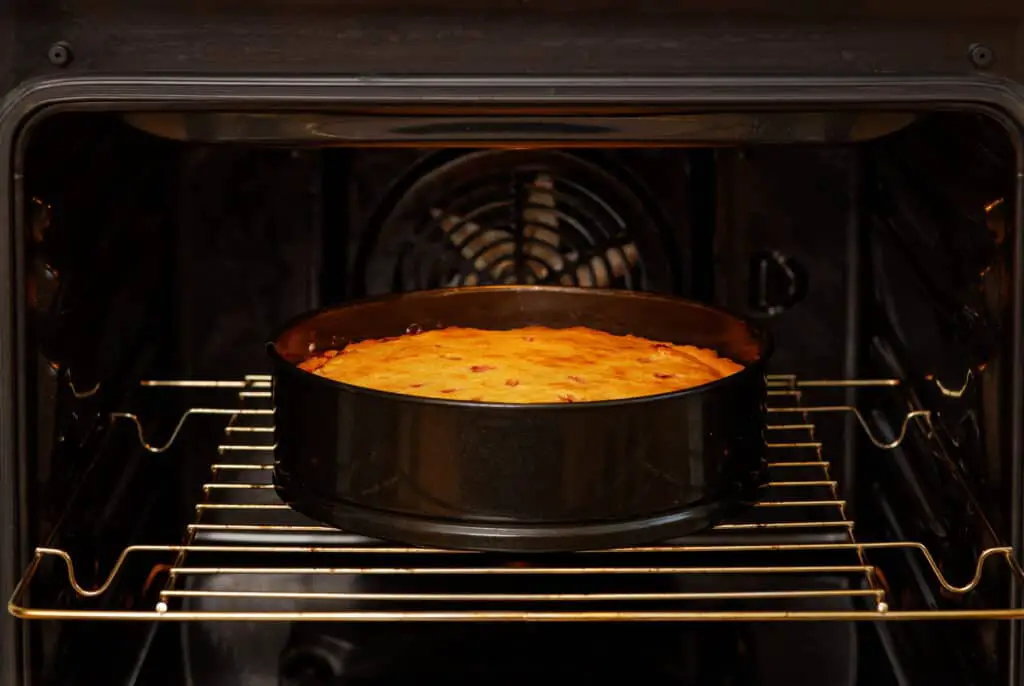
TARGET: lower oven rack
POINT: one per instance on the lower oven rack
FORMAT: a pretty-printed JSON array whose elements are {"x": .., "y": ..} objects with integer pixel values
[{"x": 247, "y": 556}]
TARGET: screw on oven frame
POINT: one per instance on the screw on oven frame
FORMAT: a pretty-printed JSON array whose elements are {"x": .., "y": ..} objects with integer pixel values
[
  {"x": 981, "y": 56},
  {"x": 60, "y": 54}
]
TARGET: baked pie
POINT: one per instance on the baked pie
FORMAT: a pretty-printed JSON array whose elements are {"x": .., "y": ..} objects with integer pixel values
[{"x": 533, "y": 364}]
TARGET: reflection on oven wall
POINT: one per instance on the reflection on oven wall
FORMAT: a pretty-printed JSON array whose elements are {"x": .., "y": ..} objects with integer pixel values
[
  {"x": 941, "y": 274},
  {"x": 940, "y": 270}
]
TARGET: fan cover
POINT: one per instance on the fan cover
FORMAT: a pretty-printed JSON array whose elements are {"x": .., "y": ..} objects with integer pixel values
[{"x": 516, "y": 217}]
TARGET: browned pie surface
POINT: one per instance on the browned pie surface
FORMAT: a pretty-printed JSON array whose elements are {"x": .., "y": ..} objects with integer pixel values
[{"x": 529, "y": 365}]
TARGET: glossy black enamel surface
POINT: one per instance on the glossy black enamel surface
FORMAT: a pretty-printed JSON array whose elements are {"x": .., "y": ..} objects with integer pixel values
[{"x": 518, "y": 477}]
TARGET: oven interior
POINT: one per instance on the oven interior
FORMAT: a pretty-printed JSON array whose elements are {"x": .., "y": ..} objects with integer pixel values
[{"x": 169, "y": 246}]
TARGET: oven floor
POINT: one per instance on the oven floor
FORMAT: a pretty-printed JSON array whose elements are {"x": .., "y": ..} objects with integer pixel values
[{"x": 683, "y": 655}]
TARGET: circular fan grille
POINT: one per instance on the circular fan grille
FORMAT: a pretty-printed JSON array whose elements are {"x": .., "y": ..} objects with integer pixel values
[{"x": 516, "y": 217}]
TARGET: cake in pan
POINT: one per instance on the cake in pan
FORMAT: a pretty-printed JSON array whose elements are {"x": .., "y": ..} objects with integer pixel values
[{"x": 525, "y": 365}]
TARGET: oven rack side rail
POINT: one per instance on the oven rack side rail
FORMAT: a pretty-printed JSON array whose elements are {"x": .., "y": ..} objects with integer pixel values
[{"x": 248, "y": 557}]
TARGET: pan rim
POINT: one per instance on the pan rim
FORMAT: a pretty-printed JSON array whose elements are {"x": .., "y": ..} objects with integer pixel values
[{"x": 756, "y": 366}]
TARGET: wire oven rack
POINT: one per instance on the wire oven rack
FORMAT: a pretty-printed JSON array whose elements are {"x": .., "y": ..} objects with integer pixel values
[{"x": 248, "y": 556}]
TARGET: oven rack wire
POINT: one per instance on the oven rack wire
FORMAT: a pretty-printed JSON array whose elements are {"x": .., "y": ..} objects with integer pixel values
[{"x": 248, "y": 556}]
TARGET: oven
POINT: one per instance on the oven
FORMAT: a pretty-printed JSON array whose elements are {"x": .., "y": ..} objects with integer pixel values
[{"x": 177, "y": 181}]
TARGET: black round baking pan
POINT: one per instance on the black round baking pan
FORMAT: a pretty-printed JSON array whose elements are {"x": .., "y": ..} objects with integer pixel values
[{"x": 519, "y": 477}]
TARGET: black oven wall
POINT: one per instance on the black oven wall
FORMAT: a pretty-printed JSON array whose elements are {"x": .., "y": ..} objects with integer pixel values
[
  {"x": 892, "y": 260},
  {"x": 99, "y": 291},
  {"x": 940, "y": 271}
]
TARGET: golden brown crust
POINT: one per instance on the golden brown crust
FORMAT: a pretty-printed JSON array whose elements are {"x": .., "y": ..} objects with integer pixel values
[{"x": 528, "y": 365}]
